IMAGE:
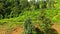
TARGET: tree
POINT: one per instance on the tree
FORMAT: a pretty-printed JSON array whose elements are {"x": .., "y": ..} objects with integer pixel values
[
  {"x": 9, "y": 8},
  {"x": 37, "y": 3},
  {"x": 50, "y": 3}
]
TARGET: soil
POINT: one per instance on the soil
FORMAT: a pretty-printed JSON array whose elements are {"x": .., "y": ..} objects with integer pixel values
[
  {"x": 3, "y": 31},
  {"x": 56, "y": 27},
  {"x": 19, "y": 30}
]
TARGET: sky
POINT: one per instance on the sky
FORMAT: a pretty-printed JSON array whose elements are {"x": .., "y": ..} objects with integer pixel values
[{"x": 36, "y": 0}]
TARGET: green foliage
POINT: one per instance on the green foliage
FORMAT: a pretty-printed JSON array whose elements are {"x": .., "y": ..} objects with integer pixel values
[
  {"x": 13, "y": 8},
  {"x": 46, "y": 22},
  {"x": 18, "y": 11},
  {"x": 28, "y": 27}
]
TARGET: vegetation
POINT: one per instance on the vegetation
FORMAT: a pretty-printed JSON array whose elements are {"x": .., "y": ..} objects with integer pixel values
[{"x": 27, "y": 12}]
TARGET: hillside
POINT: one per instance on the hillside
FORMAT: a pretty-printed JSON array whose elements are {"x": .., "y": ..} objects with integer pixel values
[{"x": 16, "y": 14}]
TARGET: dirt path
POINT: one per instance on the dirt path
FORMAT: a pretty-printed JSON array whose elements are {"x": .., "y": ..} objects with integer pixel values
[
  {"x": 2, "y": 31},
  {"x": 56, "y": 27},
  {"x": 18, "y": 30}
]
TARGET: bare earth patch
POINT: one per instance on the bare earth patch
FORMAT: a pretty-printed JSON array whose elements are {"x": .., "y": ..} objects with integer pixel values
[
  {"x": 2, "y": 31},
  {"x": 18, "y": 30},
  {"x": 56, "y": 27}
]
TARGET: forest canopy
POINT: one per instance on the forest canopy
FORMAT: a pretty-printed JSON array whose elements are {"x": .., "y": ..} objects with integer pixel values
[{"x": 13, "y": 8}]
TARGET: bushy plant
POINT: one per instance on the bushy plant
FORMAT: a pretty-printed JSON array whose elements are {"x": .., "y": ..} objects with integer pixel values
[{"x": 28, "y": 27}]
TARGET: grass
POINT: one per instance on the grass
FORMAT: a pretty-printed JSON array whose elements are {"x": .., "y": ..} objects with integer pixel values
[{"x": 53, "y": 14}]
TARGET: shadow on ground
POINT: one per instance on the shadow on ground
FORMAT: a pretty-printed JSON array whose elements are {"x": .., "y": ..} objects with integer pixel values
[
  {"x": 50, "y": 31},
  {"x": 38, "y": 31}
]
